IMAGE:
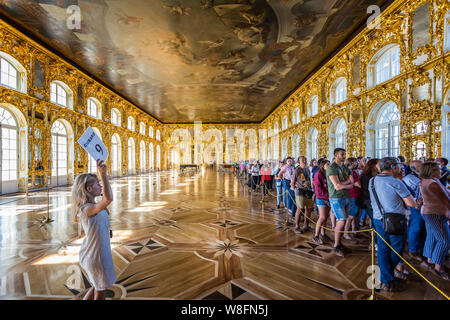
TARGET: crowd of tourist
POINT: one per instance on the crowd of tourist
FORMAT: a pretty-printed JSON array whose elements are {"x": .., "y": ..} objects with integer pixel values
[{"x": 407, "y": 204}]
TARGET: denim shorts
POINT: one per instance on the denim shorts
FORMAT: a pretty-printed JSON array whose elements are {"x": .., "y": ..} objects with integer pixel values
[
  {"x": 322, "y": 203},
  {"x": 340, "y": 207}
]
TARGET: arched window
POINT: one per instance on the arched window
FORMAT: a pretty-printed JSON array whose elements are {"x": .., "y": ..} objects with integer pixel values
[
  {"x": 131, "y": 156},
  {"x": 9, "y": 155},
  {"x": 12, "y": 74},
  {"x": 158, "y": 157},
  {"x": 313, "y": 106},
  {"x": 131, "y": 125},
  {"x": 387, "y": 131},
  {"x": 338, "y": 91},
  {"x": 94, "y": 108},
  {"x": 384, "y": 65},
  {"x": 312, "y": 143},
  {"x": 116, "y": 156},
  {"x": 142, "y": 156},
  {"x": 284, "y": 123},
  {"x": 61, "y": 94},
  {"x": 296, "y": 146},
  {"x": 338, "y": 135},
  {"x": 59, "y": 153},
  {"x": 284, "y": 148},
  {"x": 115, "y": 117},
  {"x": 158, "y": 136},
  {"x": 151, "y": 157},
  {"x": 419, "y": 150},
  {"x": 142, "y": 128},
  {"x": 447, "y": 32},
  {"x": 296, "y": 116},
  {"x": 92, "y": 164},
  {"x": 150, "y": 132}
]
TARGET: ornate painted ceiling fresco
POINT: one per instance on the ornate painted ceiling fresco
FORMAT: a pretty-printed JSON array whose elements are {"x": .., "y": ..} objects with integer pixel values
[{"x": 196, "y": 60}]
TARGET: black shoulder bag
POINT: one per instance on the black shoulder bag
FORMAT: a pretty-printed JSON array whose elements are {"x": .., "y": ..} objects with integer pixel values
[
  {"x": 305, "y": 191},
  {"x": 393, "y": 223}
]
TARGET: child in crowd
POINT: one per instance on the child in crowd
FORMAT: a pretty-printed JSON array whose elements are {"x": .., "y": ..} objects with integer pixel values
[{"x": 95, "y": 252}]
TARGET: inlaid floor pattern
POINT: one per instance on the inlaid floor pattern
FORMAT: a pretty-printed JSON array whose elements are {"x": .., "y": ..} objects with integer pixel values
[{"x": 195, "y": 235}]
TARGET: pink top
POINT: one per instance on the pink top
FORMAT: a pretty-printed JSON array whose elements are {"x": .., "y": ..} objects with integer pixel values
[
  {"x": 355, "y": 191},
  {"x": 320, "y": 186},
  {"x": 436, "y": 198},
  {"x": 288, "y": 172}
]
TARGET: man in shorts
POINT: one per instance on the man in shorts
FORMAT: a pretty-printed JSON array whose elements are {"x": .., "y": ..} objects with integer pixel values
[
  {"x": 339, "y": 181},
  {"x": 301, "y": 183}
]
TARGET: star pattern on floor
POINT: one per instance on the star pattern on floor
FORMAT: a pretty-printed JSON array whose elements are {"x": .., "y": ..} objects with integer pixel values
[
  {"x": 142, "y": 247},
  {"x": 313, "y": 249},
  {"x": 230, "y": 291},
  {"x": 166, "y": 223},
  {"x": 128, "y": 287},
  {"x": 226, "y": 224}
]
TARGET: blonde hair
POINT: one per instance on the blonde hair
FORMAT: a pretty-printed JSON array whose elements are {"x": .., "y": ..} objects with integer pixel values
[{"x": 80, "y": 195}]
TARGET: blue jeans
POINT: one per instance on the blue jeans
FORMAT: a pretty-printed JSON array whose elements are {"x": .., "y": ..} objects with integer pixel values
[
  {"x": 354, "y": 209},
  {"x": 291, "y": 202},
  {"x": 367, "y": 211},
  {"x": 437, "y": 243},
  {"x": 416, "y": 231},
  {"x": 340, "y": 207},
  {"x": 289, "y": 195},
  {"x": 286, "y": 186},
  {"x": 388, "y": 259},
  {"x": 279, "y": 193}
]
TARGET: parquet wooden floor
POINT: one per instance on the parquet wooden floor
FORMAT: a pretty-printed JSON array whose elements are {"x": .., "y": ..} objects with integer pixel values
[{"x": 195, "y": 235}]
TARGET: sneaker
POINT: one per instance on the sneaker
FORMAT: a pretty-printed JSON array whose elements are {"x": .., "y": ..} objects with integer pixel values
[
  {"x": 307, "y": 229},
  {"x": 338, "y": 251},
  {"x": 394, "y": 286},
  {"x": 278, "y": 206},
  {"x": 298, "y": 230},
  {"x": 317, "y": 240},
  {"x": 442, "y": 274},
  {"x": 325, "y": 238}
]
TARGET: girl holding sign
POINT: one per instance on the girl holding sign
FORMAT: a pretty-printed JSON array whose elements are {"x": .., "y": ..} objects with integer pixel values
[{"x": 95, "y": 252}]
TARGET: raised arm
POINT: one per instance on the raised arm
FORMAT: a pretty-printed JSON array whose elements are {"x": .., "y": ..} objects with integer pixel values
[{"x": 107, "y": 196}]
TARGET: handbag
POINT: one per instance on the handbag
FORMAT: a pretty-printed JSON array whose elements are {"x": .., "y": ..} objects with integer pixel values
[
  {"x": 305, "y": 193},
  {"x": 393, "y": 223}
]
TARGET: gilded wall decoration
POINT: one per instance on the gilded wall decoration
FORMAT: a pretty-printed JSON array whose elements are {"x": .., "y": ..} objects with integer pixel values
[{"x": 417, "y": 91}]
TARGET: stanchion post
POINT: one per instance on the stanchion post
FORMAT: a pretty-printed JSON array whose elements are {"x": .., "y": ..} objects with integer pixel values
[{"x": 372, "y": 297}]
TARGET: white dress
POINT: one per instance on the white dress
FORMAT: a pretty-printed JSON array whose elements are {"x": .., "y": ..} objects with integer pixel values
[{"x": 95, "y": 252}]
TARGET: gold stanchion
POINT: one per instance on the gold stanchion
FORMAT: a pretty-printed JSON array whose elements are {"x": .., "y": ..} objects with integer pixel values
[
  {"x": 46, "y": 219},
  {"x": 372, "y": 297}
]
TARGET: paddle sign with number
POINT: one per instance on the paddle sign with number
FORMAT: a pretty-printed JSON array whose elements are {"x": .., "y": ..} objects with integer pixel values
[{"x": 92, "y": 143}]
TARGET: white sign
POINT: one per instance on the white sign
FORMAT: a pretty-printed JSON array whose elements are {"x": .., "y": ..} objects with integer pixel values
[{"x": 93, "y": 145}]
